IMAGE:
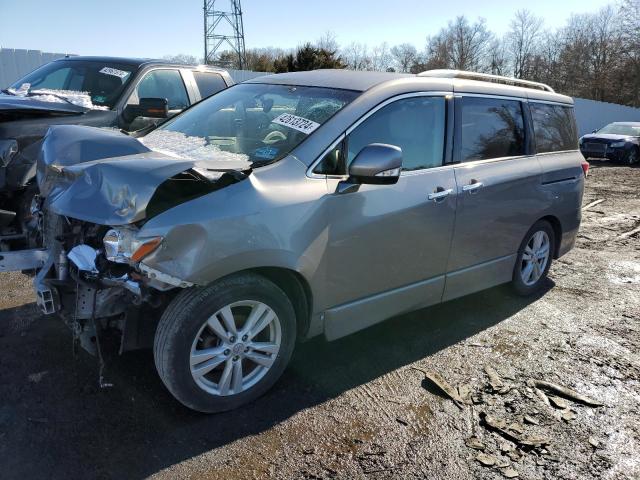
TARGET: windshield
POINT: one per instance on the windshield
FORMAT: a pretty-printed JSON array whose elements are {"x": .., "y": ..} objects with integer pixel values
[
  {"x": 620, "y": 129},
  {"x": 251, "y": 122},
  {"x": 102, "y": 81}
]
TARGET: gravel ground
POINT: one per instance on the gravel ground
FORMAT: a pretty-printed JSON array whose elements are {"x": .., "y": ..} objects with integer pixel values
[{"x": 356, "y": 408}]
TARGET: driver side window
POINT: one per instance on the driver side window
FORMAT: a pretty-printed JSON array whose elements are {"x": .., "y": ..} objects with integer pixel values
[
  {"x": 416, "y": 125},
  {"x": 162, "y": 84}
]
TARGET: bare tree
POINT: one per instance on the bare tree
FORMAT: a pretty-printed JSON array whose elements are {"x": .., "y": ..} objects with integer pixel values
[
  {"x": 355, "y": 56},
  {"x": 183, "y": 58},
  {"x": 461, "y": 46},
  {"x": 604, "y": 52},
  {"x": 629, "y": 31},
  {"x": 328, "y": 42},
  {"x": 404, "y": 55},
  {"x": 381, "y": 58},
  {"x": 498, "y": 58},
  {"x": 522, "y": 41}
]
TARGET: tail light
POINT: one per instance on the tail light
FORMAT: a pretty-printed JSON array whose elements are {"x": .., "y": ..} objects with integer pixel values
[{"x": 585, "y": 168}]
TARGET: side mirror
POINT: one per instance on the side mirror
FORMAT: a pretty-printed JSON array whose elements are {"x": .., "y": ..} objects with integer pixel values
[
  {"x": 149, "y": 108},
  {"x": 595, "y": 131},
  {"x": 375, "y": 164}
]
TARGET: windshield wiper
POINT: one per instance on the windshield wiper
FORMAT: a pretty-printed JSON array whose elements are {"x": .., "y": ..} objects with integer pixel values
[
  {"x": 61, "y": 97},
  {"x": 7, "y": 91}
]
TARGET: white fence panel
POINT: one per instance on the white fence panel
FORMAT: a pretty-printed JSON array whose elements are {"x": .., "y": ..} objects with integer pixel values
[
  {"x": 592, "y": 115},
  {"x": 244, "y": 75},
  {"x": 16, "y": 63}
]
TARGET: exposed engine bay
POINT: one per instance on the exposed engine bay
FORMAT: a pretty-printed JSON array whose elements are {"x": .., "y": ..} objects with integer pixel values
[
  {"x": 90, "y": 281},
  {"x": 85, "y": 219}
]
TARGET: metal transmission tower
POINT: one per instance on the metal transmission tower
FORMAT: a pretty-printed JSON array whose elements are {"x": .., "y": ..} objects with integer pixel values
[{"x": 223, "y": 30}]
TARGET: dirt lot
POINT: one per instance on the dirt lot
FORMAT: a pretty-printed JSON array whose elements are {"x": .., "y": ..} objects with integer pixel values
[{"x": 355, "y": 408}]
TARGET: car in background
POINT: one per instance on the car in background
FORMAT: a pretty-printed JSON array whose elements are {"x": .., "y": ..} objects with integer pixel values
[
  {"x": 297, "y": 205},
  {"x": 132, "y": 95},
  {"x": 618, "y": 141}
]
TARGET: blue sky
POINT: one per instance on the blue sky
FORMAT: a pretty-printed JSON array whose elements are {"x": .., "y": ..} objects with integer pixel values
[{"x": 153, "y": 28}]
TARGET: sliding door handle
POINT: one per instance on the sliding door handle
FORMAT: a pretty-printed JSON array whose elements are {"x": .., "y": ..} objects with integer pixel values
[
  {"x": 439, "y": 194},
  {"x": 472, "y": 187}
]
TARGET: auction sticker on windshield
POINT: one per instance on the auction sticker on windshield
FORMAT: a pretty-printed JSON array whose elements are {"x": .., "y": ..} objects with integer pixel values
[
  {"x": 297, "y": 123},
  {"x": 114, "y": 72}
]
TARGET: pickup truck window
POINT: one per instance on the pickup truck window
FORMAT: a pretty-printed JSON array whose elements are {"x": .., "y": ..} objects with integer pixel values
[
  {"x": 209, "y": 83},
  {"x": 103, "y": 81},
  {"x": 164, "y": 84}
]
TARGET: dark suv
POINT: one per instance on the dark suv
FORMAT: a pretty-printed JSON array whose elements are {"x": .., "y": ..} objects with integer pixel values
[{"x": 122, "y": 93}]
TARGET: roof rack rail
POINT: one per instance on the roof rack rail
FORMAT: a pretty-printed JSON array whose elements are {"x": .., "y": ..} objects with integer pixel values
[{"x": 485, "y": 77}]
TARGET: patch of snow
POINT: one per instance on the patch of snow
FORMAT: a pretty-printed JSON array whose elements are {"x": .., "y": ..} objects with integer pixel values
[
  {"x": 177, "y": 144},
  {"x": 624, "y": 272},
  {"x": 81, "y": 99}
]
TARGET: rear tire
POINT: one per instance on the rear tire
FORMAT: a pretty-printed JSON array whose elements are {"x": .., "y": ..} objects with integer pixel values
[
  {"x": 208, "y": 338},
  {"x": 534, "y": 259}
]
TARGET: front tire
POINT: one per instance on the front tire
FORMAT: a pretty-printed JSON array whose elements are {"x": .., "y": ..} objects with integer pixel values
[
  {"x": 632, "y": 157},
  {"x": 222, "y": 346},
  {"x": 534, "y": 259}
]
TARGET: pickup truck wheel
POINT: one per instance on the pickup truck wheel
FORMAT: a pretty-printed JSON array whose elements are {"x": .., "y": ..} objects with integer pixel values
[
  {"x": 534, "y": 259},
  {"x": 219, "y": 347}
]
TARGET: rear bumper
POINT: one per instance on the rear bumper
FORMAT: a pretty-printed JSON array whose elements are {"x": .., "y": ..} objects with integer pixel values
[{"x": 567, "y": 242}]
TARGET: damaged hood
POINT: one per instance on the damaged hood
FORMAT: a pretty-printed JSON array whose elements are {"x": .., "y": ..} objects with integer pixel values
[
  {"x": 108, "y": 178},
  {"x": 32, "y": 105}
]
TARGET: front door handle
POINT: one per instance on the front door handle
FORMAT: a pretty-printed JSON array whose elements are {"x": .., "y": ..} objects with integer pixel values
[
  {"x": 472, "y": 187},
  {"x": 439, "y": 194}
]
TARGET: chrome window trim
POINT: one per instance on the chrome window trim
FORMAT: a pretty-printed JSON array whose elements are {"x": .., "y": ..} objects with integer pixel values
[
  {"x": 490, "y": 160},
  {"x": 551, "y": 102},
  {"x": 577, "y": 150},
  {"x": 515, "y": 98},
  {"x": 491, "y": 96},
  {"x": 357, "y": 123}
]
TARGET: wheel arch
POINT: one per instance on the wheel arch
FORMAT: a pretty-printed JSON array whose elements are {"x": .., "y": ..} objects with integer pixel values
[
  {"x": 557, "y": 232},
  {"x": 295, "y": 286}
]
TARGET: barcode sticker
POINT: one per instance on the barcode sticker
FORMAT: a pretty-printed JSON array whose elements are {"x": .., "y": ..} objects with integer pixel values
[
  {"x": 114, "y": 72},
  {"x": 297, "y": 123}
]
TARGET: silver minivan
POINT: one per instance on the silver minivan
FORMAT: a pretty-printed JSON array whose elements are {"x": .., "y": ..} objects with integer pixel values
[{"x": 297, "y": 205}]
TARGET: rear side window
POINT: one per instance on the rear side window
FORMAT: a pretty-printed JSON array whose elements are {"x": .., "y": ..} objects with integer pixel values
[
  {"x": 491, "y": 128},
  {"x": 209, "y": 83},
  {"x": 416, "y": 125},
  {"x": 554, "y": 127}
]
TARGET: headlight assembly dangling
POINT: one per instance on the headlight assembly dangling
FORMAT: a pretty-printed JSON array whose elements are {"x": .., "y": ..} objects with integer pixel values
[{"x": 121, "y": 245}]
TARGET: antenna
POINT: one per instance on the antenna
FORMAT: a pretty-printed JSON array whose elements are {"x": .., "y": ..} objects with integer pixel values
[{"x": 223, "y": 30}]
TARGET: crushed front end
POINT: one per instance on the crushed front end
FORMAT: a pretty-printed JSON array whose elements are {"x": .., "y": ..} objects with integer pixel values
[
  {"x": 97, "y": 190},
  {"x": 95, "y": 283}
]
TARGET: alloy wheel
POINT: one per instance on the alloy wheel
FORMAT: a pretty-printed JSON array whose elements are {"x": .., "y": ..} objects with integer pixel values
[
  {"x": 535, "y": 258},
  {"x": 235, "y": 348}
]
